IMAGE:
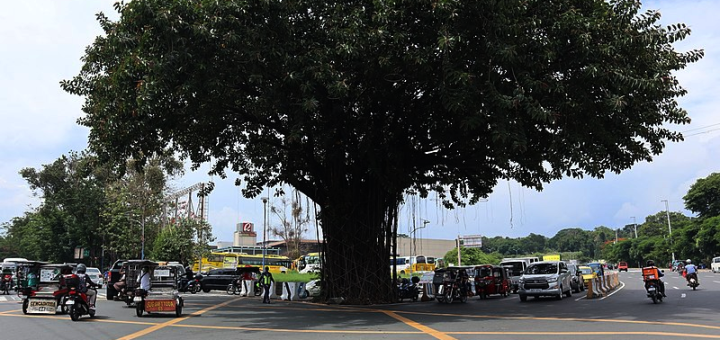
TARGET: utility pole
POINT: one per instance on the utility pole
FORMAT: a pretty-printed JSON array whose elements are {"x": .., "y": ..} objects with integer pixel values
[
  {"x": 458, "y": 246},
  {"x": 634, "y": 226},
  {"x": 667, "y": 212}
]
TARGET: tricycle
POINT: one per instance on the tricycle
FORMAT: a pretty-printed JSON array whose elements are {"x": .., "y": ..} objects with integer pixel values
[
  {"x": 162, "y": 294},
  {"x": 51, "y": 291},
  {"x": 491, "y": 280},
  {"x": 455, "y": 284}
]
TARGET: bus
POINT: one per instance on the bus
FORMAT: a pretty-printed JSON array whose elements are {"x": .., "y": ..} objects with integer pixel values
[
  {"x": 215, "y": 260},
  {"x": 412, "y": 264},
  {"x": 310, "y": 263}
]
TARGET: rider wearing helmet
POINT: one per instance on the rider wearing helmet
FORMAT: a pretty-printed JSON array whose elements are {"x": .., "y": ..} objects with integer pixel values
[
  {"x": 661, "y": 286},
  {"x": 690, "y": 271},
  {"x": 86, "y": 282}
]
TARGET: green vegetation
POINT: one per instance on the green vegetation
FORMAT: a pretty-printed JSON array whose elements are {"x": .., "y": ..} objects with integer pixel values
[{"x": 694, "y": 238}]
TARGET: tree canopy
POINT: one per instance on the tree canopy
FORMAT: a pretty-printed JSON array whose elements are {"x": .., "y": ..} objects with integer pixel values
[
  {"x": 352, "y": 103},
  {"x": 702, "y": 198}
]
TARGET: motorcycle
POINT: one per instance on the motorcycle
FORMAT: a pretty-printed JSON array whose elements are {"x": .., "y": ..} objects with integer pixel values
[
  {"x": 652, "y": 284},
  {"x": 77, "y": 304},
  {"x": 692, "y": 280},
  {"x": 408, "y": 289},
  {"x": 193, "y": 286}
]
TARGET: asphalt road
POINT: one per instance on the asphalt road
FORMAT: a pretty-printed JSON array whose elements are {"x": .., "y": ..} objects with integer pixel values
[{"x": 626, "y": 314}]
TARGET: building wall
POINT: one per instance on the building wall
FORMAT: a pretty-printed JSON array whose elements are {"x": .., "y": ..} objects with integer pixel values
[{"x": 427, "y": 247}]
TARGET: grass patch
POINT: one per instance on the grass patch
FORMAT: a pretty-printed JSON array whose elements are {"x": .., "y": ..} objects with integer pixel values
[{"x": 295, "y": 277}]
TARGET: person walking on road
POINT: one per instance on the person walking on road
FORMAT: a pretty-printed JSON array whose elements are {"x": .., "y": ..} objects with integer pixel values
[{"x": 266, "y": 279}]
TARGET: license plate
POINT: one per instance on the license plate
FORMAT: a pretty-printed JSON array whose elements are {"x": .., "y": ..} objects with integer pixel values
[
  {"x": 137, "y": 299},
  {"x": 651, "y": 289},
  {"x": 535, "y": 290},
  {"x": 159, "y": 305},
  {"x": 42, "y": 306},
  {"x": 70, "y": 302}
]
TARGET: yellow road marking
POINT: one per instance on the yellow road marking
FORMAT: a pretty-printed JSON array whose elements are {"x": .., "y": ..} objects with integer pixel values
[
  {"x": 694, "y": 325},
  {"x": 679, "y": 335},
  {"x": 172, "y": 322},
  {"x": 322, "y": 331},
  {"x": 425, "y": 329}
]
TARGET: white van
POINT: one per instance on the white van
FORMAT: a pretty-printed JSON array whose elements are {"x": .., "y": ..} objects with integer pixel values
[{"x": 715, "y": 265}]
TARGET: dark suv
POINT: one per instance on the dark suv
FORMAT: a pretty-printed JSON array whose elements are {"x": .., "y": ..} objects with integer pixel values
[
  {"x": 218, "y": 279},
  {"x": 577, "y": 283}
]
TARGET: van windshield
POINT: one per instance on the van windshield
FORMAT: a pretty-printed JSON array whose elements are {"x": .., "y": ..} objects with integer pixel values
[
  {"x": 542, "y": 268},
  {"x": 515, "y": 267}
]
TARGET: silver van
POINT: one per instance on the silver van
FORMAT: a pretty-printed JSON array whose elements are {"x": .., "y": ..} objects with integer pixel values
[{"x": 546, "y": 278}]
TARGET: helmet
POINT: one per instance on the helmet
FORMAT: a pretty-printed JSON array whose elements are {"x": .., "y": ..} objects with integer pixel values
[
  {"x": 267, "y": 269},
  {"x": 80, "y": 269},
  {"x": 688, "y": 261},
  {"x": 650, "y": 263}
]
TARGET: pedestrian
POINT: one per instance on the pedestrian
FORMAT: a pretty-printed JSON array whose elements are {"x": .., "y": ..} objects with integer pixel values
[{"x": 266, "y": 279}]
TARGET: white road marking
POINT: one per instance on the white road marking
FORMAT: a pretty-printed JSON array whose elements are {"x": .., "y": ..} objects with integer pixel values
[
  {"x": 683, "y": 295},
  {"x": 716, "y": 281},
  {"x": 676, "y": 288},
  {"x": 622, "y": 285}
]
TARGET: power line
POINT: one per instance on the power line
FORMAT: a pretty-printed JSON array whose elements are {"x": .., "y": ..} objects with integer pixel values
[
  {"x": 701, "y": 128},
  {"x": 701, "y": 133}
]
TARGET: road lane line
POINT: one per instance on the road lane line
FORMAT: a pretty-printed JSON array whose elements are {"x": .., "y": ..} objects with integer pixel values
[
  {"x": 622, "y": 285},
  {"x": 281, "y": 330},
  {"x": 174, "y": 321},
  {"x": 716, "y": 281},
  {"x": 532, "y": 334},
  {"x": 505, "y": 317},
  {"x": 425, "y": 329}
]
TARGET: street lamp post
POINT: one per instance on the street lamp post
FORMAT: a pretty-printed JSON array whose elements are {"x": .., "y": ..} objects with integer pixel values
[
  {"x": 264, "y": 249},
  {"x": 634, "y": 226},
  {"x": 414, "y": 236},
  {"x": 667, "y": 213}
]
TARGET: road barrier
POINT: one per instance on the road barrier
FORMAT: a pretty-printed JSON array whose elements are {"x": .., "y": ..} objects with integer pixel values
[{"x": 602, "y": 285}]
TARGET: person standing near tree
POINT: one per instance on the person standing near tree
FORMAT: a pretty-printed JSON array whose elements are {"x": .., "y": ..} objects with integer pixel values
[{"x": 266, "y": 279}]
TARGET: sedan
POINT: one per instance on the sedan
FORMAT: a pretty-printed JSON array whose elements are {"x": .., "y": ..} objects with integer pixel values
[{"x": 95, "y": 275}]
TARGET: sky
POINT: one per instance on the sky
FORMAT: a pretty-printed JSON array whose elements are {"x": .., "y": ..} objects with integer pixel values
[{"x": 41, "y": 43}]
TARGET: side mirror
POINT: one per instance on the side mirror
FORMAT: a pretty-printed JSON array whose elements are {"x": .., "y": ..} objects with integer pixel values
[
  {"x": 662, "y": 271},
  {"x": 563, "y": 270}
]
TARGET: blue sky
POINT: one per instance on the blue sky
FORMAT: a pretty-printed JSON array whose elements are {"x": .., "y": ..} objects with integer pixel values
[{"x": 41, "y": 43}]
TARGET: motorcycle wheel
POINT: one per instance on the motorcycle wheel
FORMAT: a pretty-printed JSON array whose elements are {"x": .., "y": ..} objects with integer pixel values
[
  {"x": 654, "y": 298},
  {"x": 463, "y": 298},
  {"x": 74, "y": 313},
  {"x": 230, "y": 289},
  {"x": 139, "y": 309},
  {"x": 448, "y": 296},
  {"x": 25, "y": 306}
]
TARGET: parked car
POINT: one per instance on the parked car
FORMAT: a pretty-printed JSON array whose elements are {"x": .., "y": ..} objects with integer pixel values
[
  {"x": 95, "y": 275},
  {"x": 577, "y": 282},
  {"x": 313, "y": 288},
  {"x": 220, "y": 278},
  {"x": 622, "y": 266},
  {"x": 546, "y": 278},
  {"x": 587, "y": 273}
]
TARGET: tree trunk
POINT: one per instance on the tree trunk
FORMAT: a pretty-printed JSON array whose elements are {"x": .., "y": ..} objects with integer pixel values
[{"x": 359, "y": 225}]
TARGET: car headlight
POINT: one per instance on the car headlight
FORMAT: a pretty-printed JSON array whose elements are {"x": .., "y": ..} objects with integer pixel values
[{"x": 552, "y": 280}]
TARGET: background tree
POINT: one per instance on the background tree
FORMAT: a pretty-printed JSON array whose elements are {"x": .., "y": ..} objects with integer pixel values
[
  {"x": 180, "y": 241},
  {"x": 353, "y": 103},
  {"x": 294, "y": 220},
  {"x": 703, "y": 196},
  {"x": 135, "y": 202},
  {"x": 72, "y": 195}
]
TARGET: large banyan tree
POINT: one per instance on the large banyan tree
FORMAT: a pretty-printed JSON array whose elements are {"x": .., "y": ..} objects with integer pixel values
[{"x": 353, "y": 103}]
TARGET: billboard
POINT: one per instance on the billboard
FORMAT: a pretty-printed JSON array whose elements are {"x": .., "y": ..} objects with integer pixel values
[{"x": 471, "y": 241}]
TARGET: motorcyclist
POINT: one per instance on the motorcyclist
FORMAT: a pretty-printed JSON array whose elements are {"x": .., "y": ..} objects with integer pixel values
[
  {"x": 661, "y": 286},
  {"x": 690, "y": 271},
  {"x": 85, "y": 283}
]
